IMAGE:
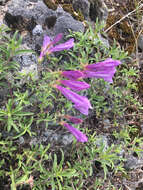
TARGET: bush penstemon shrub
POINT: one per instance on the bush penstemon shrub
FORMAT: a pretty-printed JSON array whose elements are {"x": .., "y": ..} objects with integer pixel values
[
  {"x": 26, "y": 107},
  {"x": 105, "y": 70}
]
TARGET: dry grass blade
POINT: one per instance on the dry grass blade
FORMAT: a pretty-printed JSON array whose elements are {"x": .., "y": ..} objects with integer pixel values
[{"x": 139, "y": 7}]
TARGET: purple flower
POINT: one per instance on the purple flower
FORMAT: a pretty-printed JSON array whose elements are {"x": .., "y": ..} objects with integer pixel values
[
  {"x": 46, "y": 43},
  {"x": 72, "y": 75},
  {"x": 57, "y": 38},
  {"x": 81, "y": 102},
  {"x": 105, "y": 70},
  {"x": 73, "y": 119},
  {"x": 103, "y": 66},
  {"x": 78, "y": 134},
  {"x": 106, "y": 75},
  {"x": 48, "y": 47},
  {"x": 67, "y": 45},
  {"x": 75, "y": 85}
]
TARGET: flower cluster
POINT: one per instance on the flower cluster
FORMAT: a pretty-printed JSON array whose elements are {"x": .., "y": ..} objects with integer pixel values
[{"x": 105, "y": 70}]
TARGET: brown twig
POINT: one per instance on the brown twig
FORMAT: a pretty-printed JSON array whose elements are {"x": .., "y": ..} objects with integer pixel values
[{"x": 124, "y": 17}]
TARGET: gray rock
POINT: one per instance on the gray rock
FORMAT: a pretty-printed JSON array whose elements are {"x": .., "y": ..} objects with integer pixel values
[
  {"x": 37, "y": 20},
  {"x": 53, "y": 137},
  {"x": 28, "y": 65},
  {"x": 63, "y": 139},
  {"x": 102, "y": 141},
  {"x": 91, "y": 9},
  {"x": 30, "y": 18},
  {"x": 2, "y": 12},
  {"x": 66, "y": 22},
  {"x": 121, "y": 153},
  {"x": 67, "y": 139},
  {"x": 37, "y": 30},
  {"x": 2, "y": 2},
  {"x": 99, "y": 10},
  {"x": 21, "y": 140},
  {"x": 48, "y": 133},
  {"x": 26, "y": 16},
  {"x": 107, "y": 123},
  {"x": 27, "y": 59},
  {"x": 30, "y": 70},
  {"x": 82, "y": 6},
  {"x": 104, "y": 41},
  {"x": 34, "y": 141},
  {"x": 133, "y": 163}
]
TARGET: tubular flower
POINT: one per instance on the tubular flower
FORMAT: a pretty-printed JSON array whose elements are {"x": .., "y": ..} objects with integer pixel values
[
  {"x": 48, "y": 47},
  {"x": 106, "y": 75},
  {"x": 73, "y": 119},
  {"x": 75, "y": 85},
  {"x": 105, "y": 70},
  {"x": 72, "y": 75},
  {"x": 81, "y": 102},
  {"x": 78, "y": 134},
  {"x": 102, "y": 66},
  {"x": 67, "y": 45}
]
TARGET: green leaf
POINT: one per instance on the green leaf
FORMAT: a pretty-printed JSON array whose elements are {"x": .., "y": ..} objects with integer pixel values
[{"x": 24, "y": 51}]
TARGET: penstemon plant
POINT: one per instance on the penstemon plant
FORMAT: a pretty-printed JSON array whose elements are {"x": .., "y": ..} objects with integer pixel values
[
  {"x": 69, "y": 87},
  {"x": 69, "y": 82},
  {"x": 105, "y": 70}
]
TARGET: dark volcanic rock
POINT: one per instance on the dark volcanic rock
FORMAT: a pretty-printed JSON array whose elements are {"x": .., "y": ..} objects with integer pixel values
[
  {"x": 65, "y": 22},
  {"x": 38, "y": 20},
  {"x": 29, "y": 14},
  {"x": 83, "y": 6},
  {"x": 98, "y": 10}
]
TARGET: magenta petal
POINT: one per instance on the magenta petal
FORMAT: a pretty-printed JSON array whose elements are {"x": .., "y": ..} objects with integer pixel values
[
  {"x": 78, "y": 100},
  {"x": 75, "y": 85},
  {"x": 73, "y": 75},
  {"x": 72, "y": 96},
  {"x": 109, "y": 63},
  {"x": 74, "y": 119},
  {"x": 78, "y": 134},
  {"x": 57, "y": 38},
  {"x": 67, "y": 45},
  {"x": 41, "y": 56},
  {"x": 106, "y": 75},
  {"x": 82, "y": 108},
  {"x": 46, "y": 42}
]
